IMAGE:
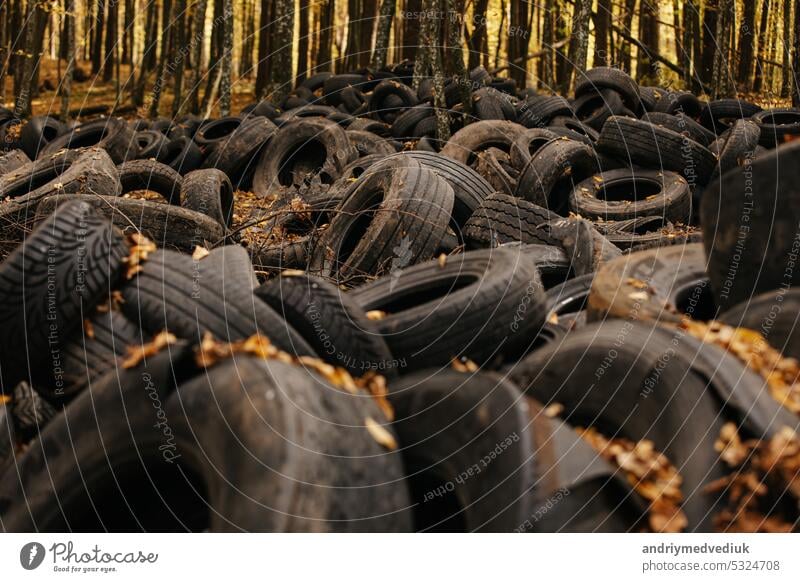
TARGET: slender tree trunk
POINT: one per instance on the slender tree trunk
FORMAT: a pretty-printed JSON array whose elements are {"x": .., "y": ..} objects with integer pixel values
[
  {"x": 602, "y": 30},
  {"x": 579, "y": 40},
  {"x": 796, "y": 59},
  {"x": 455, "y": 55},
  {"x": 22, "y": 104},
  {"x": 758, "y": 82},
  {"x": 649, "y": 35},
  {"x": 786, "y": 85},
  {"x": 148, "y": 53},
  {"x": 747, "y": 32},
  {"x": 367, "y": 18},
  {"x": 478, "y": 38},
  {"x": 264, "y": 49},
  {"x": 326, "y": 23},
  {"x": 518, "y": 43},
  {"x": 197, "y": 55},
  {"x": 179, "y": 55},
  {"x": 111, "y": 41},
  {"x": 128, "y": 32},
  {"x": 302, "y": 42},
  {"x": 411, "y": 30},
  {"x": 97, "y": 40},
  {"x": 382, "y": 35},
  {"x": 66, "y": 85},
  {"x": 282, "y": 53},
  {"x": 710, "y": 19},
  {"x": 163, "y": 58},
  {"x": 3, "y": 49},
  {"x": 723, "y": 78},
  {"x": 225, "y": 81},
  {"x": 547, "y": 64},
  {"x": 214, "y": 75},
  {"x": 626, "y": 23}
]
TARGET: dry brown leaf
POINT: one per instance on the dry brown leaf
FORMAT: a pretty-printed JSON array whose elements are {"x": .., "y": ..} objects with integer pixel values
[
  {"x": 375, "y": 315},
  {"x": 554, "y": 410},
  {"x": 379, "y": 433},
  {"x": 442, "y": 260},
  {"x": 138, "y": 353},
  {"x": 140, "y": 249},
  {"x": 88, "y": 328},
  {"x": 200, "y": 253},
  {"x": 464, "y": 365}
]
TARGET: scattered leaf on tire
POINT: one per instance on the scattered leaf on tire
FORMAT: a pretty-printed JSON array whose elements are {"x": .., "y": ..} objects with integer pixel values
[
  {"x": 138, "y": 353},
  {"x": 381, "y": 436}
]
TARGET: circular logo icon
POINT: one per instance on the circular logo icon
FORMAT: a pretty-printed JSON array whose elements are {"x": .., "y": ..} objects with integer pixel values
[{"x": 31, "y": 555}]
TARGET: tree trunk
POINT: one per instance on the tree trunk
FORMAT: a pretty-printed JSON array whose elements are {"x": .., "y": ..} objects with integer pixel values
[
  {"x": 166, "y": 11},
  {"x": 381, "y": 49},
  {"x": 225, "y": 80},
  {"x": 626, "y": 23},
  {"x": 796, "y": 61},
  {"x": 786, "y": 85},
  {"x": 411, "y": 29},
  {"x": 518, "y": 43},
  {"x": 4, "y": 15},
  {"x": 197, "y": 55},
  {"x": 326, "y": 23},
  {"x": 66, "y": 85},
  {"x": 602, "y": 31},
  {"x": 547, "y": 70},
  {"x": 455, "y": 55},
  {"x": 302, "y": 42},
  {"x": 97, "y": 39},
  {"x": 111, "y": 41},
  {"x": 281, "y": 77},
  {"x": 758, "y": 82},
  {"x": 264, "y": 49},
  {"x": 477, "y": 41},
  {"x": 22, "y": 104},
  {"x": 723, "y": 79},
  {"x": 350, "y": 60},
  {"x": 128, "y": 32},
  {"x": 747, "y": 33},
  {"x": 710, "y": 19},
  {"x": 649, "y": 35},
  {"x": 179, "y": 56},
  {"x": 149, "y": 52},
  {"x": 579, "y": 40}
]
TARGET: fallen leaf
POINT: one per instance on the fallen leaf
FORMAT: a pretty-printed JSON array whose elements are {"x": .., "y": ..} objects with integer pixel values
[
  {"x": 137, "y": 353},
  {"x": 200, "y": 253},
  {"x": 381, "y": 436}
]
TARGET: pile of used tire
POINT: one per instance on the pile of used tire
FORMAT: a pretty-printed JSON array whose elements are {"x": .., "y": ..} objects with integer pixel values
[{"x": 573, "y": 315}]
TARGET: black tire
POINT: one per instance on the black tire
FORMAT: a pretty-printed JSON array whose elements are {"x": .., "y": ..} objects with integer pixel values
[
  {"x": 64, "y": 268},
  {"x": 33, "y": 175},
  {"x": 657, "y": 148},
  {"x": 285, "y": 255},
  {"x": 182, "y": 155},
  {"x": 679, "y": 101},
  {"x": 209, "y": 192},
  {"x": 551, "y": 175},
  {"x": 236, "y": 154},
  {"x": 12, "y": 160},
  {"x": 448, "y": 424},
  {"x": 567, "y": 302},
  {"x": 153, "y": 176},
  {"x": 489, "y": 103},
  {"x": 599, "y": 78},
  {"x": 189, "y": 299},
  {"x": 718, "y": 115},
  {"x": 777, "y": 126},
  {"x": 38, "y": 132},
  {"x": 300, "y": 151},
  {"x": 501, "y": 219},
  {"x": 404, "y": 124},
  {"x": 367, "y": 143},
  {"x": 750, "y": 239},
  {"x": 333, "y": 86},
  {"x": 578, "y": 130},
  {"x": 30, "y": 411},
  {"x": 739, "y": 145},
  {"x": 660, "y": 385},
  {"x": 169, "y": 226},
  {"x": 331, "y": 322},
  {"x": 537, "y": 111},
  {"x": 112, "y": 135},
  {"x": 215, "y": 131},
  {"x": 596, "y": 107},
  {"x": 467, "y": 143},
  {"x": 482, "y": 305},
  {"x": 625, "y": 194},
  {"x": 254, "y": 461},
  {"x": 664, "y": 285},
  {"x": 648, "y": 232},
  {"x": 400, "y": 207},
  {"x": 774, "y": 315},
  {"x": 152, "y": 144},
  {"x": 683, "y": 124},
  {"x": 88, "y": 355},
  {"x": 379, "y": 106},
  {"x": 527, "y": 144}
]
